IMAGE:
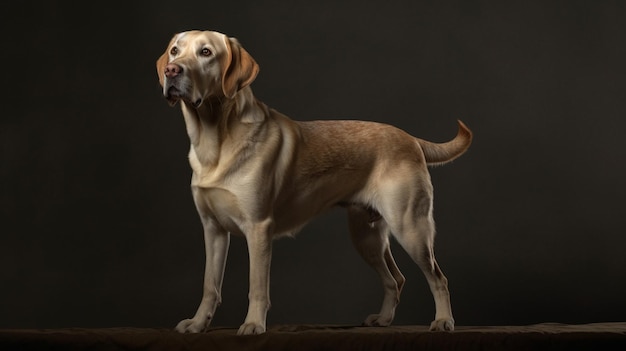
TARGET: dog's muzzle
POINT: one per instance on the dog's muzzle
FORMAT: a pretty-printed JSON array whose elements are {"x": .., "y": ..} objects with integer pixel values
[{"x": 172, "y": 90}]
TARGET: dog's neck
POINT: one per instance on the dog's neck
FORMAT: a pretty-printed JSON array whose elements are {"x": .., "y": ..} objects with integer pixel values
[{"x": 219, "y": 118}]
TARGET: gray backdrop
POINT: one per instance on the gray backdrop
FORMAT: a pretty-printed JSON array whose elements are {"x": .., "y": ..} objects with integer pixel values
[{"x": 98, "y": 228}]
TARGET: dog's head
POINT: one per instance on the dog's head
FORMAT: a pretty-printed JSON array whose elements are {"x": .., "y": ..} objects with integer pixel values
[{"x": 198, "y": 65}]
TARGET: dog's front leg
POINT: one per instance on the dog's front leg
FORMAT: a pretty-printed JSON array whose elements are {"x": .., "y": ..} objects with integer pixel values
[
  {"x": 259, "y": 242},
  {"x": 216, "y": 242}
]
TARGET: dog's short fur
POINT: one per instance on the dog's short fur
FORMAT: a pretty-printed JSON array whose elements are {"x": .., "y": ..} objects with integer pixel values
[{"x": 259, "y": 174}]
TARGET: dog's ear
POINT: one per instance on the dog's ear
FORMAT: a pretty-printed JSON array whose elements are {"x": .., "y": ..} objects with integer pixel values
[
  {"x": 160, "y": 66},
  {"x": 239, "y": 67}
]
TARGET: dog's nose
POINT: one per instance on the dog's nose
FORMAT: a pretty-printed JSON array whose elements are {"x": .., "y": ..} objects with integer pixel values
[{"x": 172, "y": 70}]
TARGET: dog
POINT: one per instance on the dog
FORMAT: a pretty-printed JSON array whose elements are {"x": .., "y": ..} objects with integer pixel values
[{"x": 261, "y": 175}]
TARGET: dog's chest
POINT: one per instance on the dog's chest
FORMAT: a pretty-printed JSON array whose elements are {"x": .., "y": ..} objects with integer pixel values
[
  {"x": 231, "y": 200},
  {"x": 223, "y": 206}
]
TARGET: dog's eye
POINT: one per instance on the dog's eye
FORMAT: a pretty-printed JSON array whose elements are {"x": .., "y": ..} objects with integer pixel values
[
  {"x": 174, "y": 50},
  {"x": 205, "y": 52}
]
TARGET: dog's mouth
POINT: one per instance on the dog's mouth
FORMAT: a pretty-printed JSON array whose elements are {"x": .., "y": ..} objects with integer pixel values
[
  {"x": 173, "y": 92},
  {"x": 173, "y": 95}
]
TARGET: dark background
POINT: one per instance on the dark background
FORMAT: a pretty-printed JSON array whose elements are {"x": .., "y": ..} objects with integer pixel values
[{"x": 98, "y": 228}]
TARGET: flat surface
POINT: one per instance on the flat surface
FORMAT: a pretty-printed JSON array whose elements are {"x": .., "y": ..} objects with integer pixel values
[{"x": 546, "y": 336}]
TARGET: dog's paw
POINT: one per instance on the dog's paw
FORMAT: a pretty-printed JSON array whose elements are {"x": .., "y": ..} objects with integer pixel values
[
  {"x": 442, "y": 325},
  {"x": 192, "y": 326},
  {"x": 251, "y": 329},
  {"x": 377, "y": 320}
]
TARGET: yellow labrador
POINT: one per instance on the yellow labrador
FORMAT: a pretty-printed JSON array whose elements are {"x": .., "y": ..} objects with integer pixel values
[{"x": 259, "y": 174}]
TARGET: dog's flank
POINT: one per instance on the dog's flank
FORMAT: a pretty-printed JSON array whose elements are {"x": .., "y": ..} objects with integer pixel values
[{"x": 259, "y": 174}]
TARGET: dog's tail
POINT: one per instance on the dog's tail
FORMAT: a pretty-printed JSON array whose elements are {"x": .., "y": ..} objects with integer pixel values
[{"x": 441, "y": 153}]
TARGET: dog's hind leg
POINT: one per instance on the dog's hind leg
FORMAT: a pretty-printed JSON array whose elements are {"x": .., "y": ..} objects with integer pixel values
[
  {"x": 370, "y": 237},
  {"x": 408, "y": 211}
]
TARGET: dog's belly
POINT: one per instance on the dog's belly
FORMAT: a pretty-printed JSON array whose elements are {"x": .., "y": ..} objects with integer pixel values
[
  {"x": 226, "y": 208},
  {"x": 294, "y": 212}
]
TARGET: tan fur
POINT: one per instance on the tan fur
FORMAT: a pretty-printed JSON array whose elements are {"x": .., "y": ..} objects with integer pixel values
[{"x": 259, "y": 174}]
